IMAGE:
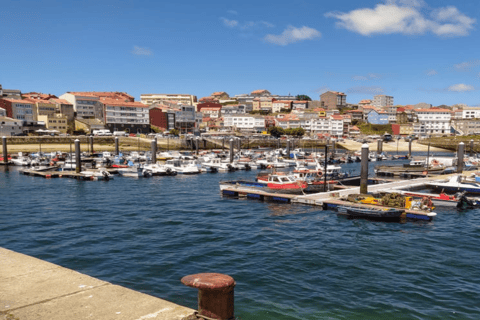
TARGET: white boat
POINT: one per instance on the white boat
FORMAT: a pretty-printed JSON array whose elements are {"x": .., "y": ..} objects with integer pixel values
[
  {"x": 455, "y": 184},
  {"x": 134, "y": 172},
  {"x": 160, "y": 170},
  {"x": 216, "y": 164},
  {"x": 100, "y": 174},
  {"x": 183, "y": 166},
  {"x": 22, "y": 161}
]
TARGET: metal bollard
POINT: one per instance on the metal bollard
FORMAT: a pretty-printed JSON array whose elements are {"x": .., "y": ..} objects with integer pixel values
[
  {"x": 215, "y": 294},
  {"x": 460, "y": 154},
  {"x": 78, "y": 161},
  {"x": 364, "y": 170},
  {"x": 154, "y": 150},
  {"x": 5, "y": 154},
  {"x": 116, "y": 146}
]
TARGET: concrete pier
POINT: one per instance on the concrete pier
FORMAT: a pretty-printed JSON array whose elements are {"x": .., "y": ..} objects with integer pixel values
[{"x": 35, "y": 289}]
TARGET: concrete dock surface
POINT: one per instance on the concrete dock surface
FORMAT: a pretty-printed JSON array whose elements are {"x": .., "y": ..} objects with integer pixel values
[{"x": 33, "y": 289}]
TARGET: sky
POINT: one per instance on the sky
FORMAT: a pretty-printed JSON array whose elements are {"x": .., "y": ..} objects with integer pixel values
[{"x": 414, "y": 50}]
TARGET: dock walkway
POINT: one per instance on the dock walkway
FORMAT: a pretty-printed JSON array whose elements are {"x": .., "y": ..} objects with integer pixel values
[{"x": 33, "y": 289}]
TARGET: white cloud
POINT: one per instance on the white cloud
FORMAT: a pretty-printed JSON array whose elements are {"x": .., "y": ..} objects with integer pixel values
[
  {"x": 431, "y": 72},
  {"x": 292, "y": 34},
  {"x": 461, "y": 87},
  {"x": 322, "y": 89},
  {"x": 366, "y": 90},
  {"x": 139, "y": 51},
  {"x": 404, "y": 17},
  {"x": 359, "y": 78},
  {"x": 232, "y": 12},
  {"x": 467, "y": 65},
  {"x": 229, "y": 23}
]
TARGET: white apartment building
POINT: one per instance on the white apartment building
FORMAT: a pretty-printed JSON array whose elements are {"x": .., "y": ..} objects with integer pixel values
[
  {"x": 184, "y": 99},
  {"x": 9, "y": 126},
  {"x": 244, "y": 123},
  {"x": 471, "y": 113},
  {"x": 3, "y": 112},
  {"x": 332, "y": 125},
  {"x": 133, "y": 117},
  {"x": 86, "y": 106},
  {"x": 382, "y": 100},
  {"x": 434, "y": 121}
]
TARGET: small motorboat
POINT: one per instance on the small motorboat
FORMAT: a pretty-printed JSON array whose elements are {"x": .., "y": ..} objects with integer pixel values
[
  {"x": 456, "y": 183},
  {"x": 371, "y": 213},
  {"x": 278, "y": 181}
]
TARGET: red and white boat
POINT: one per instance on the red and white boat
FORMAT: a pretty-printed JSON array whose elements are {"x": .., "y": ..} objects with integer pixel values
[{"x": 277, "y": 181}]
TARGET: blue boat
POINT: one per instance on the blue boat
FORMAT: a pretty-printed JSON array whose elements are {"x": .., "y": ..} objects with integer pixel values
[{"x": 378, "y": 214}]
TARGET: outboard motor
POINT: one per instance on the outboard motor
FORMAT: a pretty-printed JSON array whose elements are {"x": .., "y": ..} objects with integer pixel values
[{"x": 464, "y": 203}]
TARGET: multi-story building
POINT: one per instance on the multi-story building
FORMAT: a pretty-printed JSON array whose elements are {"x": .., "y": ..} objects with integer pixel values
[
  {"x": 126, "y": 116},
  {"x": 162, "y": 116},
  {"x": 42, "y": 108},
  {"x": 392, "y": 114},
  {"x": 263, "y": 104},
  {"x": 3, "y": 112},
  {"x": 466, "y": 126},
  {"x": 64, "y": 107},
  {"x": 86, "y": 105},
  {"x": 57, "y": 122},
  {"x": 212, "y": 113},
  {"x": 382, "y": 100},
  {"x": 364, "y": 102},
  {"x": 333, "y": 100},
  {"x": 471, "y": 113},
  {"x": 214, "y": 105},
  {"x": 18, "y": 109},
  {"x": 356, "y": 114},
  {"x": 248, "y": 123},
  {"x": 184, "y": 99},
  {"x": 11, "y": 94},
  {"x": 235, "y": 109},
  {"x": 433, "y": 121},
  {"x": 9, "y": 126},
  {"x": 278, "y": 105},
  {"x": 187, "y": 119},
  {"x": 300, "y": 104}
]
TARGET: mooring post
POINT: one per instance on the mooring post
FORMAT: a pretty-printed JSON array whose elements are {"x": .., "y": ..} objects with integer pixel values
[
  {"x": 231, "y": 150},
  {"x": 461, "y": 152},
  {"x": 379, "y": 146},
  {"x": 5, "y": 154},
  {"x": 215, "y": 294},
  {"x": 223, "y": 144},
  {"x": 116, "y": 146},
  {"x": 288, "y": 149},
  {"x": 196, "y": 145},
  {"x": 78, "y": 162},
  {"x": 364, "y": 170},
  {"x": 205, "y": 144},
  {"x": 409, "y": 148},
  {"x": 471, "y": 148},
  {"x": 154, "y": 151},
  {"x": 91, "y": 145}
]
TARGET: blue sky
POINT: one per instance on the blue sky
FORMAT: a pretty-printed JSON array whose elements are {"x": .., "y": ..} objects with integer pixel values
[{"x": 414, "y": 50}]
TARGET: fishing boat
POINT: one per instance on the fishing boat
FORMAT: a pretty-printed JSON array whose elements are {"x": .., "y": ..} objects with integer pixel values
[
  {"x": 371, "y": 213},
  {"x": 456, "y": 183},
  {"x": 160, "y": 170},
  {"x": 278, "y": 181},
  {"x": 183, "y": 166},
  {"x": 443, "y": 199},
  {"x": 134, "y": 172}
]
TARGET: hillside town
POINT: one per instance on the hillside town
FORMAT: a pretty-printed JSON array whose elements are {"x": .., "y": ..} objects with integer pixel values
[{"x": 257, "y": 112}]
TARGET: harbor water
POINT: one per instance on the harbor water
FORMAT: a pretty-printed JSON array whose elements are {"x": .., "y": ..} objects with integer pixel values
[{"x": 289, "y": 261}]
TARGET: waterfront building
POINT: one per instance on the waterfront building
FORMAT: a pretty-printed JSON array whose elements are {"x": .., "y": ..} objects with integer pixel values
[
  {"x": 184, "y": 99},
  {"x": 247, "y": 123},
  {"x": 64, "y": 107},
  {"x": 433, "y": 121},
  {"x": 131, "y": 117},
  {"x": 85, "y": 105},
  {"x": 382, "y": 100},
  {"x": 3, "y": 112},
  {"x": 466, "y": 126},
  {"x": 187, "y": 119},
  {"x": 57, "y": 122},
  {"x": 18, "y": 109},
  {"x": 9, "y": 126},
  {"x": 333, "y": 100}
]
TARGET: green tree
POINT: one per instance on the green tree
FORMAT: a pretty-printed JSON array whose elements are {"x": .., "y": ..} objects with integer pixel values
[
  {"x": 174, "y": 132},
  {"x": 303, "y": 97},
  {"x": 276, "y": 131}
]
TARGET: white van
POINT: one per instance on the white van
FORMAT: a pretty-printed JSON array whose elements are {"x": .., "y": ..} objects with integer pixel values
[{"x": 120, "y": 134}]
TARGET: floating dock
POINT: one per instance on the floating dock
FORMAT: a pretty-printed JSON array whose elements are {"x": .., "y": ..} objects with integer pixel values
[
  {"x": 49, "y": 174},
  {"x": 332, "y": 199}
]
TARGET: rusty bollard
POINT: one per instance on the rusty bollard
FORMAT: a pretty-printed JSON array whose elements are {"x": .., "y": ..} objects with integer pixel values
[{"x": 215, "y": 294}]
